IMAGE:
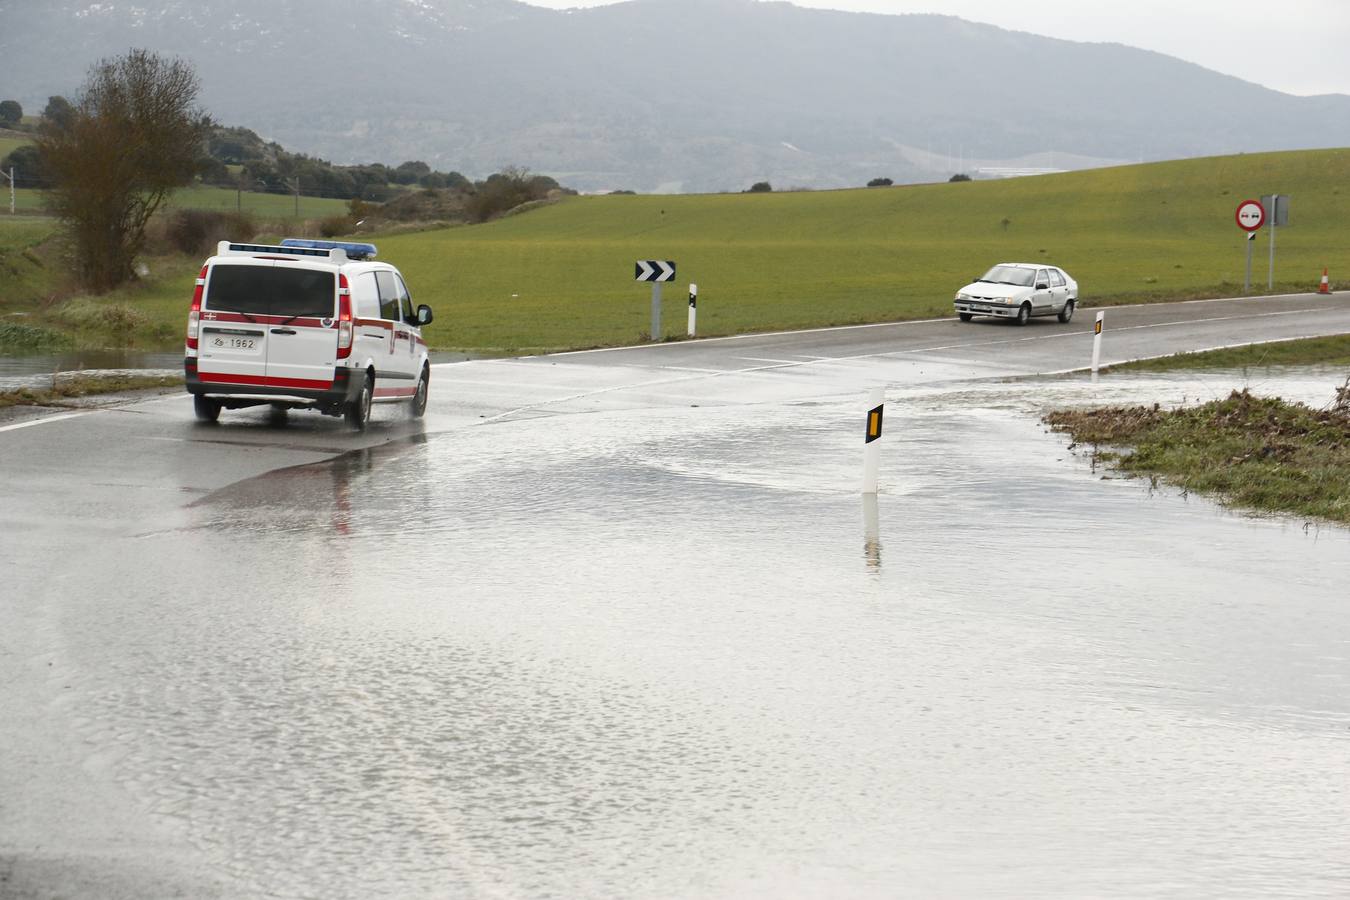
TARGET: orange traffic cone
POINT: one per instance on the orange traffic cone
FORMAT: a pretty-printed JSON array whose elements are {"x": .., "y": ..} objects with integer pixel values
[{"x": 1325, "y": 286}]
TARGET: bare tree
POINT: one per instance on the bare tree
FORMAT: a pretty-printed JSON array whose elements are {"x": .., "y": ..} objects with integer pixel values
[{"x": 133, "y": 135}]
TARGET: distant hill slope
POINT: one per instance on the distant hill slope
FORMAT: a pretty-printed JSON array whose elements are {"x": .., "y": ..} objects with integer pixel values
[{"x": 690, "y": 95}]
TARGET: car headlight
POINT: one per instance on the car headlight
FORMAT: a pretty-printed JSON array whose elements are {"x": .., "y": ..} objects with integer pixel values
[{"x": 960, "y": 296}]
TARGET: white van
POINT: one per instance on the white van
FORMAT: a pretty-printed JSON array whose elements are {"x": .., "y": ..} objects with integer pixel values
[{"x": 306, "y": 324}]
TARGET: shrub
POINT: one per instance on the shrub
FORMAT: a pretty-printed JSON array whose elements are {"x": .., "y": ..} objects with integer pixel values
[
  {"x": 334, "y": 226},
  {"x": 196, "y": 232},
  {"x": 26, "y": 338},
  {"x": 959, "y": 176},
  {"x": 103, "y": 315},
  {"x": 880, "y": 182},
  {"x": 506, "y": 190},
  {"x": 760, "y": 187}
]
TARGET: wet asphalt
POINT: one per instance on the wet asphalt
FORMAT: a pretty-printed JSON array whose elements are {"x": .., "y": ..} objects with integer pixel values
[{"x": 619, "y": 624}]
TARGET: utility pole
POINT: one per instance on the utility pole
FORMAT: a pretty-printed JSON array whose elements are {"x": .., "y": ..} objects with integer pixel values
[
  {"x": 295, "y": 186},
  {"x": 10, "y": 176}
]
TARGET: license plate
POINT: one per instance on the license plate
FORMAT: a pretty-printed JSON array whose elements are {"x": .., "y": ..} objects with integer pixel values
[
  {"x": 981, "y": 309},
  {"x": 238, "y": 344}
]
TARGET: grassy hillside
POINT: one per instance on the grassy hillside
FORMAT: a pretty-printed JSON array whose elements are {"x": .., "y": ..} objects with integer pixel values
[
  {"x": 790, "y": 260},
  {"x": 561, "y": 276},
  {"x": 266, "y": 206}
]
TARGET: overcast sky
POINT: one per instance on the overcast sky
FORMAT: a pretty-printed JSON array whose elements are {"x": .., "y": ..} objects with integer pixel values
[{"x": 1296, "y": 46}]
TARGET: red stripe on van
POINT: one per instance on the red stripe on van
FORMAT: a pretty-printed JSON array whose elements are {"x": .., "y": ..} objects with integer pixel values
[
  {"x": 267, "y": 381},
  {"x": 209, "y": 316},
  {"x": 395, "y": 392}
]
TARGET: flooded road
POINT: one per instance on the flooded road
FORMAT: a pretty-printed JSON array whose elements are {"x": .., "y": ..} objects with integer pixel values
[{"x": 640, "y": 636}]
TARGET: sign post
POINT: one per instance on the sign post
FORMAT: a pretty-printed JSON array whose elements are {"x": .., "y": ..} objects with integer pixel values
[
  {"x": 656, "y": 271},
  {"x": 1250, "y": 217},
  {"x": 693, "y": 307},
  {"x": 1277, "y": 215}
]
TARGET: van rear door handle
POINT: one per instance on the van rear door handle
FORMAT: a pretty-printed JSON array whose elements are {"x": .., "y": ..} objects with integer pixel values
[{"x": 283, "y": 331}]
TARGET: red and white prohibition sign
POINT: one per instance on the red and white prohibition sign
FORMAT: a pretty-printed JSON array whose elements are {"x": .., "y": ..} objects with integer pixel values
[{"x": 1251, "y": 215}]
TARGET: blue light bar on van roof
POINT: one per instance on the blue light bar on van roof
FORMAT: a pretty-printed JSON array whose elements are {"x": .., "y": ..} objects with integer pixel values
[{"x": 352, "y": 249}]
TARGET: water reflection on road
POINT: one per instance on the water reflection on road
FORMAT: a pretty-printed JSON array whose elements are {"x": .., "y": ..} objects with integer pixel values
[{"x": 651, "y": 655}]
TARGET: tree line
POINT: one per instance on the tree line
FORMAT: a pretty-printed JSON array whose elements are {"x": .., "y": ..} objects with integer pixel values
[{"x": 110, "y": 158}]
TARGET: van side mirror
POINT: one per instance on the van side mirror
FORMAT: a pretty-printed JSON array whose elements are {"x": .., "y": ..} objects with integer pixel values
[{"x": 424, "y": 315}]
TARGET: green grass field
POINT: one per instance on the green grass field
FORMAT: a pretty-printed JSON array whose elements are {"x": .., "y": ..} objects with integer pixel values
[
  {"x": 264, "y": 206},
  {"x": 10, "y": 144},
  {"x": 561, "y": 276}
]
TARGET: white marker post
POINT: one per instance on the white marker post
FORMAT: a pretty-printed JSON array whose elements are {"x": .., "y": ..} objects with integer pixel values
[
  {"x": 872, "y": 441},
  {"x": 1097, "y": 343},
  {"x": 693, "y": 307}
]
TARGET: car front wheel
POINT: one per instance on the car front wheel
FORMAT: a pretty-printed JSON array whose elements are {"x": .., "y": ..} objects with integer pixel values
[
  {"x": 964, "y": 317},
  {"x": 1024, "y": 314},
  {"x": 1066, "y": 313},
  {"x": 419, "y": 400}
]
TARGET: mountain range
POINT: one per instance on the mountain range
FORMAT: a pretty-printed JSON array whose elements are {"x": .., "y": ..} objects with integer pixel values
[{"x": 667, "y": 95}]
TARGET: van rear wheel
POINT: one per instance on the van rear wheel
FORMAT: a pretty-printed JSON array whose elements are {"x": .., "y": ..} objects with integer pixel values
[
  {"x": 358, "y": 411},
  {"x": 207, "y": 410}
]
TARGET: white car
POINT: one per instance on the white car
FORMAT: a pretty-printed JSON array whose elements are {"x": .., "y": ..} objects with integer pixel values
[
  {"x": 1019, "y": 291},
  {"x": 306, "y": 324}
]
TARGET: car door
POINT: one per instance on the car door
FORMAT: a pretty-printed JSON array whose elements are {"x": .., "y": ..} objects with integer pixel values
[
  {"x": 406, "y": 346},
  {"x": 1059, "y": 289},
  {"x": 1042, "y": 298},
  {"x": 395, "y": 379},
  {"x": 374, "y": 335},
  {"x": 302, "y": 327},
  {"x": 233, "y": 343}
]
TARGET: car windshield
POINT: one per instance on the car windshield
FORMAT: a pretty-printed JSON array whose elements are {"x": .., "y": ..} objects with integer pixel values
[
  {"x": 271, "y": 291},
  {"x": 1014, "y": 275}
]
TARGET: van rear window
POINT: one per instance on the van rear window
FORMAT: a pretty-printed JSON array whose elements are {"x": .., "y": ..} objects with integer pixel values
[{"x": 270, "y": 291}]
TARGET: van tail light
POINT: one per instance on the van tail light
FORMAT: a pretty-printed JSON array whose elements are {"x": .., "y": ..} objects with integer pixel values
[
  {"x": 344, "y": 347},
  {"x": 195, "y": 314}
]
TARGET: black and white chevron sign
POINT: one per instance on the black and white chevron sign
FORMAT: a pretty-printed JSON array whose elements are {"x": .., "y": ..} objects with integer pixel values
[{"x": 654, "y": 270}]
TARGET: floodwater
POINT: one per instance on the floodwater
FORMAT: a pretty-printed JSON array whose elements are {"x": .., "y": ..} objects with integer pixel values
[
  {"x": 80, "y": 360},
  {"x": 674, "y": 653}
]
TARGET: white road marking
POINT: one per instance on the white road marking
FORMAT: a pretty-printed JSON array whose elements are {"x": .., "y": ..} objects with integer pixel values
[{"x": 43, "y": 421}]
